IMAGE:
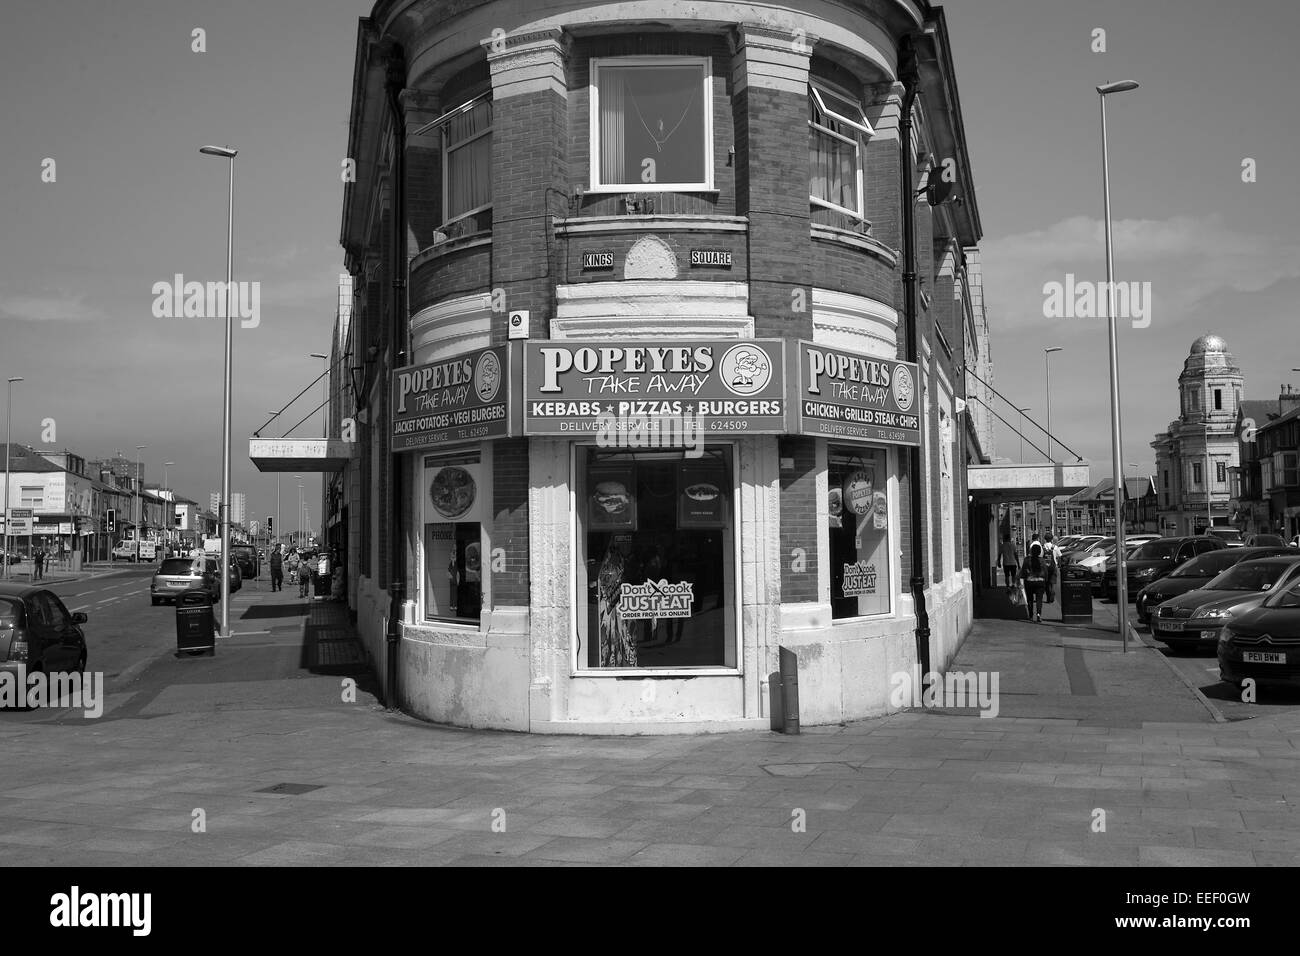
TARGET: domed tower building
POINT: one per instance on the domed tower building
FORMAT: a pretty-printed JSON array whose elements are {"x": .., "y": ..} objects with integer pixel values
[
  {"x": 643, "y": 397},
  {"x": 1196, "y": 456}
]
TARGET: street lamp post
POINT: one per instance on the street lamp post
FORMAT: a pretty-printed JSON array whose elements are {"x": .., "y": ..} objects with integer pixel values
[
  {"x": 139, "y": 522},
  {"x": 1047, "y": 368},
  {"x": 1022, "y": 430},
  {"x": 9, "y": 401},
  {"x": 226, "y": 152},
  {"x": 1209, "y": 514},
  {"x": 168, "y": 519},
  {"x": 1121, "y": 565},
  {"x": 299, "y": 477}
]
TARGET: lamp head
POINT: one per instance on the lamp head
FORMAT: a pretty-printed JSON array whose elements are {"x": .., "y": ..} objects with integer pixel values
[
  {"x": 1123, "y": 86},
  {"x": 226, "y": 152}
]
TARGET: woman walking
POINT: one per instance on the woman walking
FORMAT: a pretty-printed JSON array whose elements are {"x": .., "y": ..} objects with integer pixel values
[
  {"x": 1009, "y": 558},
  {"x": 1034, "y": 575}
]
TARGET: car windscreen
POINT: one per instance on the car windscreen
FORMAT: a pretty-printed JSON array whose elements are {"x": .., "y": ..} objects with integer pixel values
[
  {"x": 1155, "y": 551},
  {"x": 1267, "y": 541},
  {"x": 1249, "y": 576},
  {"x": 1206, "y": 565},
  {"x": 176, "y": 566},
  {"x": 1287, "y": 597}
]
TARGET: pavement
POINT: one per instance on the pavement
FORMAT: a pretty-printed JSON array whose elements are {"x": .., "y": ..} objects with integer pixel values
[{"x": 276, "y": 752}]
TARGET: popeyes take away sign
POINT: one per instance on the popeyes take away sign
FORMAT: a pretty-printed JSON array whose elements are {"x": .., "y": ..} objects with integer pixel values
[
  {"x": 863, "y": 397},
  {"x": 461, "y": 398},
  {"x": 727, "y": 387}
]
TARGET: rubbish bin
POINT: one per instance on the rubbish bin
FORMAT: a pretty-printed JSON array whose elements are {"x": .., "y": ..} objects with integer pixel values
[
  {"x": 195, "y": 625},
  {"x": 1076, "y": 595},
  {"x": 320, "y": 582}
]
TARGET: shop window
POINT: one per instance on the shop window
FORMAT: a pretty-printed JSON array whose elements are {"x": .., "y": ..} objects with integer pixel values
[
  {"x": 656, "y": 563},
  {"x": 651, "y": 123},
  {"x": 858, "y": 516},
  {"x": 467, "y": 169},
  {"x": 837, "y": 126},
  {"x": 453, "y": 491}
]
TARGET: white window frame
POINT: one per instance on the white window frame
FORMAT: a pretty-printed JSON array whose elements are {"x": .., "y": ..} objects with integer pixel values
[
  {"x": 577, "y": 667},
  {"x": 705, "y": 64},
  {"x": 817, "y": 89},
  {"x": 893, "y": 489},
  {"x": 447, "y": 148},
  {"x": 484, "y": 451}
]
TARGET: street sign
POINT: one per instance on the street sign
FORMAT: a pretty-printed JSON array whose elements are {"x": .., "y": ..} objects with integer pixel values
[{"x": 20, "y": 521}]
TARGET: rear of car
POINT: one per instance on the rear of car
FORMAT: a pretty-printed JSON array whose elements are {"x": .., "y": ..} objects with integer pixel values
[
  {"x": 177, "y": 575},
  {"x": 1154, "y": 560},
  {"x": 246, "y": 556},
  {"x": 1232, "y": 537}
]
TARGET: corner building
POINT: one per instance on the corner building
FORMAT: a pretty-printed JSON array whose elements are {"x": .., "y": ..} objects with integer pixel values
[{"x": 628, "y": 350}]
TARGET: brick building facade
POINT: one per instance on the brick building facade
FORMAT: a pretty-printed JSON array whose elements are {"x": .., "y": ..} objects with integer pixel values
[{"x": 710, "y": 205}]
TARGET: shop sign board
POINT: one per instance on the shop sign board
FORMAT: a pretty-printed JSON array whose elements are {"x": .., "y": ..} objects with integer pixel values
[
  {"x": 461, "y": 398},
  {"x": 722, "y": 387},
  {"x": 850, "y": 395},
  {"x": 20, "y": 520}
]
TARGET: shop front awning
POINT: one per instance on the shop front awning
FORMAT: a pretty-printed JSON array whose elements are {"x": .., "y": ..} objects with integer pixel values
[
  {"x": 274, "y": 455},
  {"x": 1015, "y": 481}
]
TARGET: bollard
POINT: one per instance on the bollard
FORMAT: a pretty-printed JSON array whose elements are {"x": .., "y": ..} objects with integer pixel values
[{"x": 789, "y": 690}]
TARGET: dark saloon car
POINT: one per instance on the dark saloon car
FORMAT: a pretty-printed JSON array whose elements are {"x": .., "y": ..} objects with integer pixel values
[
  {"x": 1194, "y": 619},
  {"x": 37, "y": 633},
  {"x": 1265, "y": 541},
  {"x": 1263, "y": 643},
  {"x": 1196, "y": 573},
  {"x": 1157, "y": 558},
  {"x": 250, "y": 565}
]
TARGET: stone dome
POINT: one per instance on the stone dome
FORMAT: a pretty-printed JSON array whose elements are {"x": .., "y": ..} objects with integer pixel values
[{"x": 1209, "y": 343}]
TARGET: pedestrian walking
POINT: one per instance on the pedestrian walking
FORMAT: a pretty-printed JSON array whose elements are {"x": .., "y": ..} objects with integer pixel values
[
  {"x": 305, "y": 565},
  {"x": 1052, "y": 561},
  {"x": 277, "y": 570},
  {"x": 38, "y": 564},
  {"x": 1009, "y": 558},
  {"x": 1034, "y": 575}
]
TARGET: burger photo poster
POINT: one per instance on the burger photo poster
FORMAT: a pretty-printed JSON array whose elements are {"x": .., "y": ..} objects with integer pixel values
[
  {"x": 611, "y": 499},
  {"x": 701, "y": 498}
]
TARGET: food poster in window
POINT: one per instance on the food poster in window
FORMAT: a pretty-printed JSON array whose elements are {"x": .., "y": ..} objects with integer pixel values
[
  {"x": 611, "y": 504},
  {"x": 700, "y": 498},
  {"x": 859, "y": 534},
  {"x": 453, "y": 491},
  {"x": 453, "y": 559},
  {"x": 656, "y": 596}
]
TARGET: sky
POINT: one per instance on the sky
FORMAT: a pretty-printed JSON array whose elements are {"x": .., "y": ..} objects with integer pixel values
[{"x": 117, "y": 97}]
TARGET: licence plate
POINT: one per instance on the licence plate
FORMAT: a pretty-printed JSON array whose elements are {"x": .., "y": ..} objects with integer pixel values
[
  {"x": 1171, "y": 626},
  {"x": 176, "y": 584},
  {"x": 1262, "y": 657}
]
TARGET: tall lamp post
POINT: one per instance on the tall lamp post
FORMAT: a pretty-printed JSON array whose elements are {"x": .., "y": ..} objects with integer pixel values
[
  {"x": 1047, "y": 369},
  {"x": 226, "y": 152},
  {"x": 299, "y": 477},
  {"x": 139, "y": 513},
  {"x": 1121, "y": 565},
  {"x": 1024, "y": 505},
  {"x": 1209, "y": 513},
  {"x": 169, "y": 509},
  {"x": 274, "y": 414},
  {"x": 9, "y": 402}
]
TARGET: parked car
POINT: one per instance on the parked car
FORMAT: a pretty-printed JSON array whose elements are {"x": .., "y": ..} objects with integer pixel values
[
  {"x": 1197, "y": 573},
  {"x": 1265, "y": 541},
  {"x": 249, "y": 563},
  {"x": 1230, "y": 536},
  {"x": 10, "y": 557},
  {"x": 1096, "y": 562},
  {"x": 1082, "y": 543},
  {"x": 1263, "y": 642},
  {"x": 1195, "y": 618},
  {"x": 236, "y": 577},
  {"x": 177, "y": 575},
  {"x": 1155, "y": 559},
  {"x": 38, "y": 633}
]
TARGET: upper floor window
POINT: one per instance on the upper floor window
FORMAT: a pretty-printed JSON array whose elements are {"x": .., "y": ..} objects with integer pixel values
[
  {"x": 1218, "y": 399},
  {"x": 1220, "y": 472},
  {"x": 1196, "y": 400},
  {"x": 651, "y": 124},
  {"x": 1196, "y": 473},
  {"x": 837, "y": 127},
  {"x": 467, "y": 161}
]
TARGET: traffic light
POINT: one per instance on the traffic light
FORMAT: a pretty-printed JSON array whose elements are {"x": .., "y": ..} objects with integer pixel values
[
  {"x": 112, "y": 520},
  {"x": 270, "y": 527}
]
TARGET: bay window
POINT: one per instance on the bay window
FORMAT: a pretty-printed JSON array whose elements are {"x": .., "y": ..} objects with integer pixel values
[
  {"x": 837, "y": 126},
  {"x": 651, "y": 124},
  {"x": 467, "y": 167}
]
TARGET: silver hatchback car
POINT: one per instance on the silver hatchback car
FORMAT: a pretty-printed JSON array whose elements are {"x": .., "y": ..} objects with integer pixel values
[{"x": 177, "y": 575}]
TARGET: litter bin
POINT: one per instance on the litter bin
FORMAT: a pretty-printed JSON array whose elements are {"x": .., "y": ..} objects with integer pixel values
[
  {"x": 195, "y": 625},
  {"x": 1076, "y": 596},
  {"x": 320, "y": 583}
]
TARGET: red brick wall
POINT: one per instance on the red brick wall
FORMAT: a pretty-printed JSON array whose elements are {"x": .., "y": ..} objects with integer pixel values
[
  {"x": 510, "y": 521},
  {"x": 799, "y": 517}
]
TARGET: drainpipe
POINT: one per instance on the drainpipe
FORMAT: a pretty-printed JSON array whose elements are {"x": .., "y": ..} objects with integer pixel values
[
  {"x": 909, "y": 75},
  {"x": 393, "y": 85}
]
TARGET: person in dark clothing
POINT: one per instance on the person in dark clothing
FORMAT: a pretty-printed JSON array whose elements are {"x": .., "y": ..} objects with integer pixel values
[
  {"x": 277, "y": 570},
  {"x": 1034, "y": 575}
]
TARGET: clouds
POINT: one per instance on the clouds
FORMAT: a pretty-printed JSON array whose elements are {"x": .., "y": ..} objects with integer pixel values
[
  {"x": 1187, "y": 260},
  {"x": 53, "y": 307}
]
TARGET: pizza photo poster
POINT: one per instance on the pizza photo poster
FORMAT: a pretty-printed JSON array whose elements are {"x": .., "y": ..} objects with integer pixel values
[
  {"x": 454, "y": 492},
  {"x": 611, "y": 498}
]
